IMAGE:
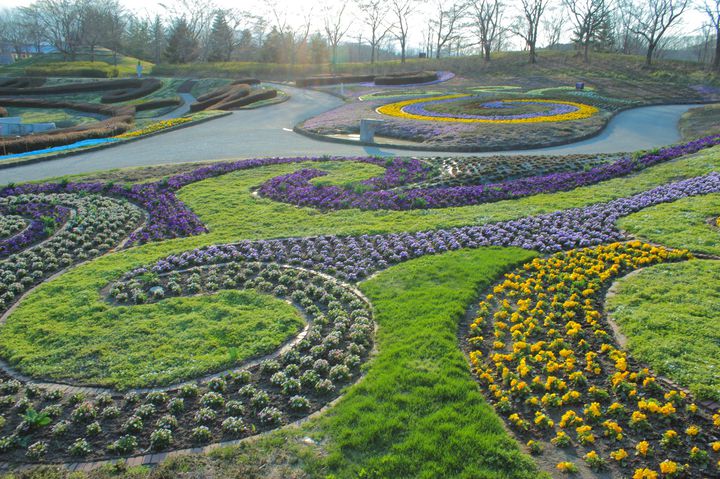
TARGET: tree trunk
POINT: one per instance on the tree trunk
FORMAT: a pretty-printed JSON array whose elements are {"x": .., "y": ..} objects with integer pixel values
[
  {"x": 585, "y": 53},
  {"x": 486, "y": 47},
  {"x": 533, "y": 58},
  {"x": 716, "y": 60},
  {"x": 402, "y": 52},
  {"x": 649, "y": 56}
]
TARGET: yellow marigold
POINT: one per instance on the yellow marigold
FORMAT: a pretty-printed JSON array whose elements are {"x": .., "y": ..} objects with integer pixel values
[
  {"x": 645, "y": 474},
  {"x": 692, "y": 431},
  {"x": 566, "y": 467},
  {"x": 715, "y": 446},
  {"x": 668, "y": 467},
  {"x": 642, "y": 448},
  {"x": 619, "y": 455}
]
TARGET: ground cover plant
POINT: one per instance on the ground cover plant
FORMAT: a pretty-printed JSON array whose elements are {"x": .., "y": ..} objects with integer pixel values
[{"x": 449, "y": 250}]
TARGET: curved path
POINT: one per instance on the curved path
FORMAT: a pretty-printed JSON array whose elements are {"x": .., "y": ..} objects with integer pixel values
[{"x": 267, "y": 132}]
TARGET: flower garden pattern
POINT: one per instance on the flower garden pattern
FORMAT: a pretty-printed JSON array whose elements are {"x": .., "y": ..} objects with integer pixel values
[
  {"x": 415, "y": 109},
  {"x": 546, "y": 357},
  {"x": 84, "y": 220}
]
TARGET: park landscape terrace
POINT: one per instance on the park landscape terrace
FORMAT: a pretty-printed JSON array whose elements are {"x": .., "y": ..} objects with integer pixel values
[{"x": 512, "y": 274}]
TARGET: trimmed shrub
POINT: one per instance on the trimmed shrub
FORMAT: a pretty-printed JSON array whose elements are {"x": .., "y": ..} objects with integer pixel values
[
  {"x": 321, "y": 80},
  {"x": 160, "y": 103},
  {"x": 22, "y": 82},
  {"x": 73, "y": 69},
  {"x": 147, "y": 86},
  {"x": 102, "y": 85},
  {"x": 406, "y": 78},
  {"x": 246, "y": 81}
]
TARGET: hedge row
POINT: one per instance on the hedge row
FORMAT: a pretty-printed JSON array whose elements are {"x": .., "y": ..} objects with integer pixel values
[
  {"x": 221, "y": 95},
  {"x": 21, "y": 82},
  {"x": 74, "y": 69},
  {"x": 97, "y": 108},
  {"x": 102, "y": 129},
  {"x": 147, "y": 86},
  {"x": 159, "y": 103},
  {"x": 254, "y": 97},
  {"x": 246, "y": 81},
  {"x": 321, "y": 80},
  {"x": 406, "y": 78},
  {"x": 101, "y": 85}
]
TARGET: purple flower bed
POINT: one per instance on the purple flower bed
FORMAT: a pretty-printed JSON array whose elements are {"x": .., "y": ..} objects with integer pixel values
[
  {"x": 296, "y": 189},
  {"x": 43, "y": 219},
  {"x": 353, "y": 258},
  {"x": 553, "y": 110},
  {"x": 168, "y": 217}
]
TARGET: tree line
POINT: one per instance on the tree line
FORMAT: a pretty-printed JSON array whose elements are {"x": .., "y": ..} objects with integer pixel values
[{"x": 198, "y": 31}]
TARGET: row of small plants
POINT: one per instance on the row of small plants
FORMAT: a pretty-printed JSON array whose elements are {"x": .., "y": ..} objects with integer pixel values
[
  {"x": 52, "y": 426},
  {"x": 39, "y": 220},
  {"x": 98, "y": 225},
  {"x": 10, "y": 225},
  {"x": 468, "y": 170},
  {"x": 296, "y": 188},
  {"x": 543, "y": 351}
]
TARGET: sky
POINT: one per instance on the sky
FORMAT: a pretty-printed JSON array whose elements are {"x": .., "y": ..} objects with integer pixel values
[{"x": 296, "y": 10}]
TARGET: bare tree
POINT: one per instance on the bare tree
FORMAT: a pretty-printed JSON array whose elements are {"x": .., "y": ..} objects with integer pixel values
[
  {"x": 374, "y": 13},
  {"x": 12, "y": 31},
  {"x": 61, "y": 21},
  {"x": 402, "y": 10},
  {"x": 487, "y": 18},
  {"x": 527, "y": 24},
  {"x": 335, "y": 29},
  {"x": 554, "y": 27},
  {"x": 653, "y": 20},
  {"x": 588, "y": 17},
  {"x": 447, "y": 24},
  {"x": 712, "y": 9}
]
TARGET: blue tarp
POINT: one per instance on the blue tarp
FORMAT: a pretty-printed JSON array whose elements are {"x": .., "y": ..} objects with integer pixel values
[{"x": 55, "y": 149}]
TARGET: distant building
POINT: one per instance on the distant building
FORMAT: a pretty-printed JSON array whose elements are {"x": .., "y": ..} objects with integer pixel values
[{"x": 9, "y": 55}]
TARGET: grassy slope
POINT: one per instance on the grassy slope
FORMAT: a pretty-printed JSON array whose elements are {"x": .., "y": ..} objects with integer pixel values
[
  {"x": 125, "y": 64},
  {"x": 699, "y": 122},
  {"x": 688, "y": 229},
  {"x": 670, "y": 315}
]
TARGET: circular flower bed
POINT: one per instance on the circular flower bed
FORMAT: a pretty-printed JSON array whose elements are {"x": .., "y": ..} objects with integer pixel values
[
  {"x": 543, "y": 351},
  {"x": 546, "y": 110},
  {"x": 50, "y": 423}
]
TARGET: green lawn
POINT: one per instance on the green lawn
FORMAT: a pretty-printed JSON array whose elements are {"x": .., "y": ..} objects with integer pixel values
[
  {"x": 670, "y": 315},
  {"x": 63, "y": 118},
  {"x": 144, "y": 345},
  {"x": 688, "y": 227}
]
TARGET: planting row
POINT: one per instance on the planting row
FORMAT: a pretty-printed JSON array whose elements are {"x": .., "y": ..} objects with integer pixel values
[
  {"x": 543, "y": 351},
  {"x": 465, "y": 171},
  {"x": 97, "y": 225},
  {"x": 50, "y": 425},
  {"x": 295, "y": 188},
  {"x": 40, "y": 220}
]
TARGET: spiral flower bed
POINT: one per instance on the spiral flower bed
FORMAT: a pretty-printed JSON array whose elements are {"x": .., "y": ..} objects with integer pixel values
[
  {"x": 303, "y": 377},
  {"x": 417, "y": 109},
  {"x": 43, "y": 219},
  {"x": 544, "y": 353}
]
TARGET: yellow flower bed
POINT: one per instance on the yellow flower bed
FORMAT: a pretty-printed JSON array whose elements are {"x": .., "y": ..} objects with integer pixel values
[
  {"x": 542, "y": 351},
  {"x": 397, "y": 110},
  {"x": 153, "y": 127}
]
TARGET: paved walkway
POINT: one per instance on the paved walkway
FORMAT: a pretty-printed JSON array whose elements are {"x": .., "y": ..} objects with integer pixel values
[{"x": 267, "y": 132}]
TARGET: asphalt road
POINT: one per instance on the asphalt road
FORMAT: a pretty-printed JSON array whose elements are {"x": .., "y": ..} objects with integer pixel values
[{"x": 267, "y": 132}]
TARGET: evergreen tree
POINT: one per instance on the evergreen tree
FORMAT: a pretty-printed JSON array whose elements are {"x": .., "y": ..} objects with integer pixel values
[
  {"x": 182, "y": 46},
  {"x": 318, "y": 49},
  {"x": 159, "y": 41},
  {"x": 272, "y": 48},
  {"x": 221, "y": 40}
]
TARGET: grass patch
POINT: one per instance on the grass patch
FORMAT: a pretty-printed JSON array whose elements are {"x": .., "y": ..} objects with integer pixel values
[
  {"x": 53, "y": 64},
  {"x": 148, "y": 344},
  {"x": 669, "y": 314},
  {"x": 681, "y": 224},
  {"x": 700, "y": 122},
  {"x": 63, "y": 118}
]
